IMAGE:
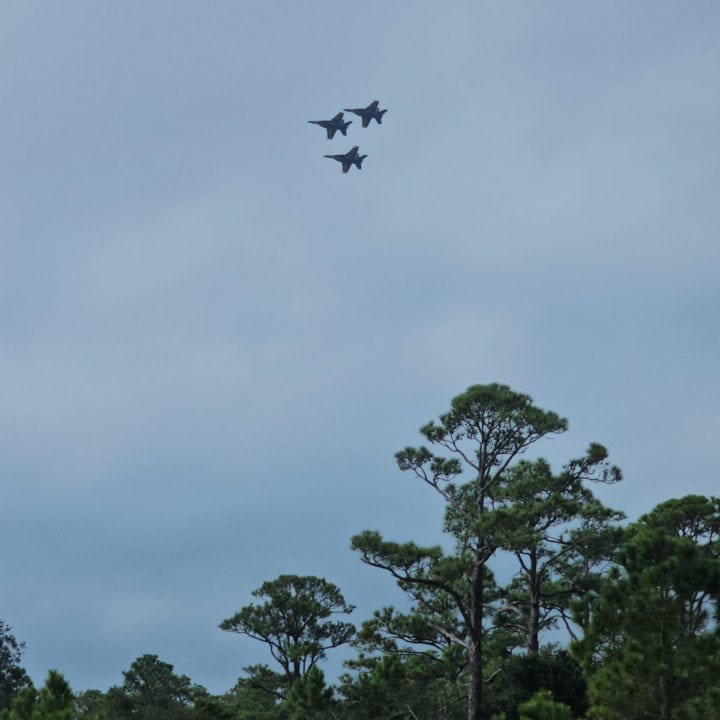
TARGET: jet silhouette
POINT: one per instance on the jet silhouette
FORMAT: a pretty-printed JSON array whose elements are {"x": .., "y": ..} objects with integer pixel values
[
  {"x": 332, "y": 126},
  {"x": 351, "y": 157},
  {"x": 368, "y": 113}
]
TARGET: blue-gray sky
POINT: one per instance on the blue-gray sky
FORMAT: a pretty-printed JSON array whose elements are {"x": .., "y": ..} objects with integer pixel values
[{"x": 212, "y": 342}]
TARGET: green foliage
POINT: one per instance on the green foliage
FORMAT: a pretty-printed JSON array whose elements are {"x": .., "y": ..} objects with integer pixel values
[
  {"x": 152, "y": 691},
  {"x": 13, "y": 677},
  {"x": 396, "y": 688},
  {"x": 436, "y": 583},
  {"x": 554, "y": 526},
  {"x": 294, "y": 621},
  {"x": 309, "y": 698},
  {"x": 258, "y": 695},
  {"x": 523, "y": 676},
  {"x": 542, "y": 707},
  {"x": 487, "y": 428},
  {"x": 212, "y": 708},
  {"x": 92, "y": 705},
  {"x": 22, "y": 705},
  {"x": 652, "y": 648},
  {"x": 503, "y": 422},
  {"x": 560, "y": 534},
  {"x": 54, "y": 701},
  {"x": 705, "y": 706},
  {"x": 651, "y": 623}
]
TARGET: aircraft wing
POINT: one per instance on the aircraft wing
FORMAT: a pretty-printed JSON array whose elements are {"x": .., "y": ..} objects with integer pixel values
[{"x": 346, "y": 165}]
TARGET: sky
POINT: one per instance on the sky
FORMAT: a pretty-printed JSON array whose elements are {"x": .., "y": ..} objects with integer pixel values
[{"x": 212, "y": 342}]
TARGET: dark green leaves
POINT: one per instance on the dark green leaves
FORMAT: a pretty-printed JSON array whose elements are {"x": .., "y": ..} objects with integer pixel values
[
  {"x": 294, "y": 621},
  {"x": 652, "y": 643},
  {"x": 12, "y": 676}
]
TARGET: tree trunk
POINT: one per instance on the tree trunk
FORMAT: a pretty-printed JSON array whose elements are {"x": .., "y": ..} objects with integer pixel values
[
  {"x": 533, "y": 641},
  {"x": 475, "y": 653}
]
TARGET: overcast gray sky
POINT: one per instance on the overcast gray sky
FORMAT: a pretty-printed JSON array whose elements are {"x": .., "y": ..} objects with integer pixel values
[{"x": 212, "y": 341}]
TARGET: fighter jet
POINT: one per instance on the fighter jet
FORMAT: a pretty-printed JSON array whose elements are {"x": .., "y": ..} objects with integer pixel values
[
  {"x": 368, "y": 113},
  {"x": 351, "y": 157},
  {"x": 332, "y": 126}
]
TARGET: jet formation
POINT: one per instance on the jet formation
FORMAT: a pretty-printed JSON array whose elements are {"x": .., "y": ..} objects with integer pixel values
[{"x": 352, "y": 156}]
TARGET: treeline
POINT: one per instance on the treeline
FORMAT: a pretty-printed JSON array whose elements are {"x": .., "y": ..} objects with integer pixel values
[{"x": 638, "y": 604}]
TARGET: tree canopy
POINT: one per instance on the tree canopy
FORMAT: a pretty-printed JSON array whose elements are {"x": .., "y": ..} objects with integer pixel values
[
  {"x": 295, "y": 621},
  {"x": 487, "y": 429},
  {"x": 541, "y": 603},
  {"x": 13, "y": 677}
]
